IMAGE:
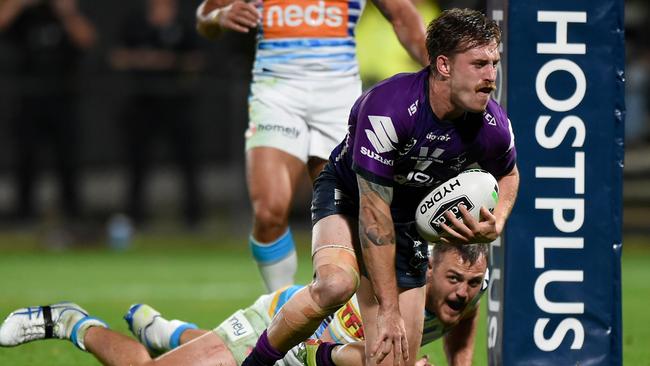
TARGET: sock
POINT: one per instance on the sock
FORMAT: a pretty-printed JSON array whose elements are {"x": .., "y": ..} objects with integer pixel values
[
  {"x": 263, "y": 354},
  {"x": 180, "y": 327},
  {"x": 81, "y": 327},
  {"x": 324, "y": 354},
  {"x": 277, "y": 261},
  {"x": 163, "y": 335}
]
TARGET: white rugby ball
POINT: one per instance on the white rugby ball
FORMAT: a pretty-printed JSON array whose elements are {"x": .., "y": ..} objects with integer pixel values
[{"x": 473, "y": 188}]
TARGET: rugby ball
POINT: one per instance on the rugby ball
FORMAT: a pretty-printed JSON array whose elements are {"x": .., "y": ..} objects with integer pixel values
[{"x": 473, "y": 188}]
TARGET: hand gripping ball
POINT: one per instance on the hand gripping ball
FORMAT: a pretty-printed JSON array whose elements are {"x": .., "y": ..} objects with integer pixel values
[{"x": 473, "y": 188}]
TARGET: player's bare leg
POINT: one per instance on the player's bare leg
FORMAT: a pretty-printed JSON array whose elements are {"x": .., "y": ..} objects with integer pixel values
[
  {"x": 315, "y": 166},
  {"x": 112, "y": 348},
  {"x": 71, "y": 322},
  {"x": 192, "y": 334},
  {"x": 272, "y": 176},
  {"x": 189, "y": 335},
  {"x": 159, "y": 335},
  {"x": 156, "y": 333},
  {"x": 411, "y": 305},
  {"x": 208, "y": 349},
  {"x": 349, "y": 354},
  {"x": 336, "y": 280}
]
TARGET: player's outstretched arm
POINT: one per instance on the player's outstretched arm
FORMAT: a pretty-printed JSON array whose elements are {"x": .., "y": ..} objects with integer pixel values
[
  {"x": 459, "y": 342},
  {"x": 508, "y": 188},
  {"x": 408, "y": 26},
  {"x": 215, "y": 16},
  {"x": 377, "y": 237}
]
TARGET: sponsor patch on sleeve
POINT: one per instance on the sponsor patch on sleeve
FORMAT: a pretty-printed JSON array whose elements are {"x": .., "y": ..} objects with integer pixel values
[{"x": 238, "y": 327}]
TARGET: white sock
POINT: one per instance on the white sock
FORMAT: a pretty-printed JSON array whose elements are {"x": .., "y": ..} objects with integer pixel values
[
  {"x": 277, "y": 261},
  {"x": 164, "y": 335},
  {"x": 279, "y": 274},
  {"x": 78, "y": 332}
]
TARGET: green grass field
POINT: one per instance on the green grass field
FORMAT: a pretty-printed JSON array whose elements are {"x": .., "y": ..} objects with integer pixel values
[{"x": 202, "y": 278}]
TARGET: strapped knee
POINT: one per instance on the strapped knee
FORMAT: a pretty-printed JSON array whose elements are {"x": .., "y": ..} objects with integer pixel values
[{"x": 334, "y": 285}]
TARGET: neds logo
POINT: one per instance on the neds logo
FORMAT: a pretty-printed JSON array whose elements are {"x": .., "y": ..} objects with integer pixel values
[{"x": 305, "y": 19}]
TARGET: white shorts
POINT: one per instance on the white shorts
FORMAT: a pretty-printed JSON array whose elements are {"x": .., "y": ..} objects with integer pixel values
[{"x": 304, "y": 118}]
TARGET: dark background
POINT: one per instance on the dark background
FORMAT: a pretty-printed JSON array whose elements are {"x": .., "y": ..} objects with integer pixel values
[{"x": 220, "y": 119}]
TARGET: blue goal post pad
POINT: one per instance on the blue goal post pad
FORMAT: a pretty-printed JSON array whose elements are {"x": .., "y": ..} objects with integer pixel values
[{"x": 555, "y": 298}]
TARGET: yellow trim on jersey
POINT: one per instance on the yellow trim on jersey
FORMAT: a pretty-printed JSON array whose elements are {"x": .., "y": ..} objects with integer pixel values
[{"x": 276, "y": 298}]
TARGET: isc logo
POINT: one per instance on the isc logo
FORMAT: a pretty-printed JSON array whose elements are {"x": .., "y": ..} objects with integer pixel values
[{"x": 307, "y": 18}]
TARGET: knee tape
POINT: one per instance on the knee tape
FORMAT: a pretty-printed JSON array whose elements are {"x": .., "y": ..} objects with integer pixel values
[
  {"x": 308, "y": 307},
  {"x": 326, "y": 257}
]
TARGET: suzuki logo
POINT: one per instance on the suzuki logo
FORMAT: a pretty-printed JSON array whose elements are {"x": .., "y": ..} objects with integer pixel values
[{"x": 383, "y": 134}]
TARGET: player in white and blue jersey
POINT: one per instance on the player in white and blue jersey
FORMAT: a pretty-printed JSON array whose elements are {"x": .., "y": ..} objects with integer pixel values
[
  {"x": 305, "y": 79},
  {"x": 455, "y": 282}
]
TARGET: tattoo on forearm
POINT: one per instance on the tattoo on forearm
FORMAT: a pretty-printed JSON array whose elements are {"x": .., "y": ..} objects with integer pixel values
[
  {"x": 366, "y": 187},
  {"x": 375, "y": 226}
]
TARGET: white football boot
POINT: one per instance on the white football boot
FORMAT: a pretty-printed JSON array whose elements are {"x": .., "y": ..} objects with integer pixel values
[
  {"x": 156, "y": 333},
  {"x": 64, "y": 320}
]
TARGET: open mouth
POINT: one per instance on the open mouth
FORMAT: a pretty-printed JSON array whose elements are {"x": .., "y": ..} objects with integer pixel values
[
  {"x": 486, "y": 90},
  {"x": 456, "y": 305}
]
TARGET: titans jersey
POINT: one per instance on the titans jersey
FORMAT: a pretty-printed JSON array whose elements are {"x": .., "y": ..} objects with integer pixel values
[
  {"x": 346, "y": 325},
  {"x": 395, "y": 139},
  {"x": 307, "y": 38}
]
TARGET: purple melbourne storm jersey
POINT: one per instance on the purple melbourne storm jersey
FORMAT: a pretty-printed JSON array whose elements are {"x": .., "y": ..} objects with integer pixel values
[{"x": 394, "y": 139}]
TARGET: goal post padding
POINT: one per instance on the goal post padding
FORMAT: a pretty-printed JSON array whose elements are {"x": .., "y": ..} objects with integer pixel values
[{"x": 555, "y": 298}]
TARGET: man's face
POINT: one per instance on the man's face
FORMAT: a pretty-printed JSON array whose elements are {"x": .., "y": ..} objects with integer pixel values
[
  {"x": 452, "y": 284},
  {"x": 473, "y": 77}
]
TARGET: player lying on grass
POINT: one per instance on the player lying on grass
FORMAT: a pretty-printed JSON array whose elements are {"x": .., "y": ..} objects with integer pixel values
[{"x": 455, "y": 281}]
